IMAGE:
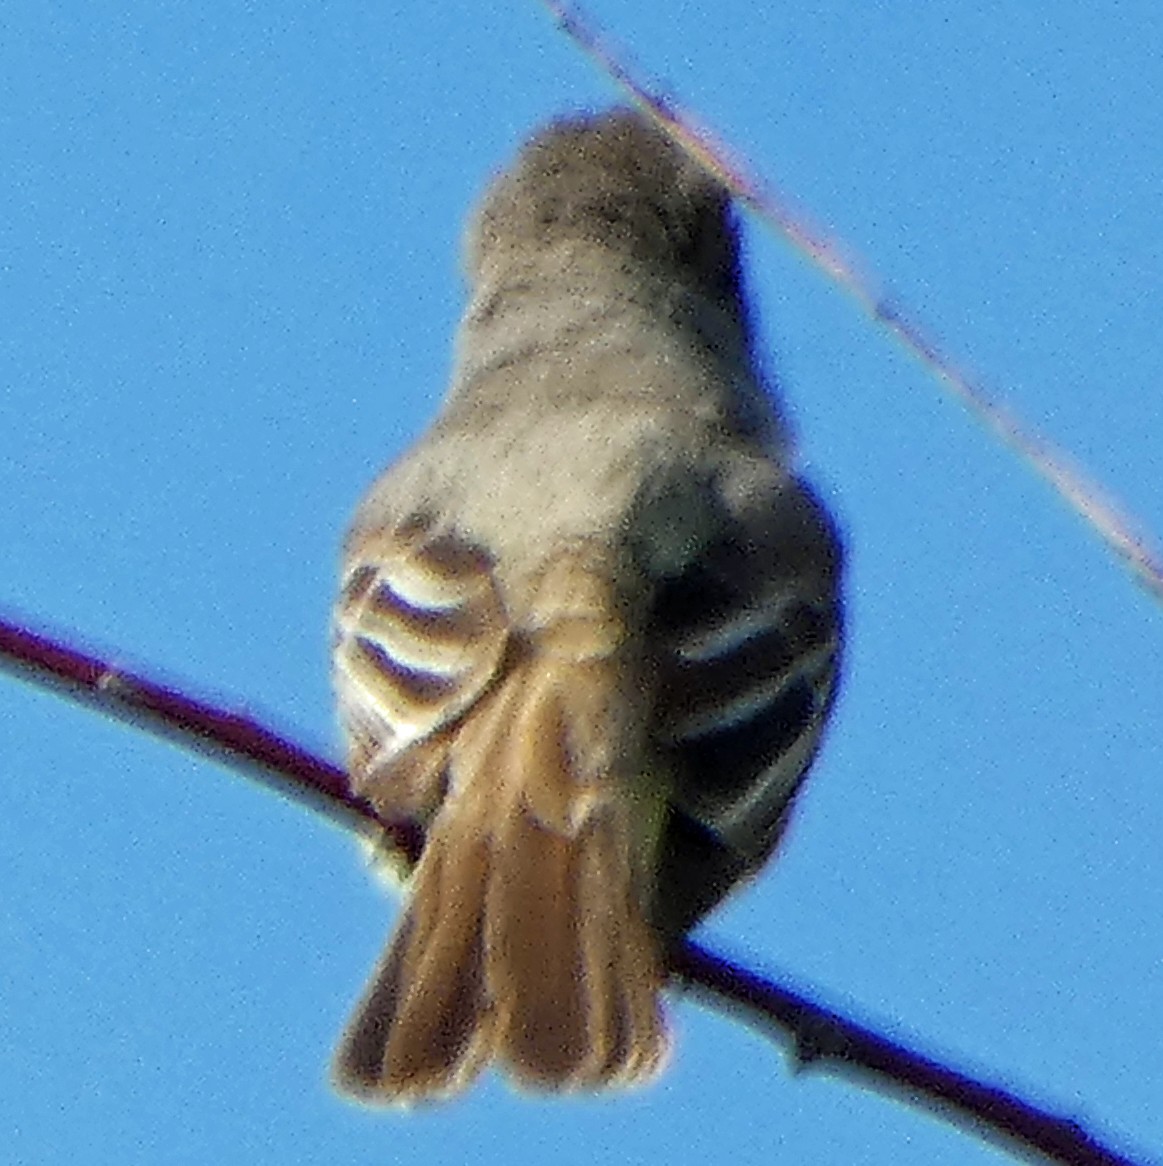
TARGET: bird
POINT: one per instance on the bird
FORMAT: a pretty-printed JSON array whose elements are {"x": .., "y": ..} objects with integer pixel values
[{"x": 588, "y": 632}]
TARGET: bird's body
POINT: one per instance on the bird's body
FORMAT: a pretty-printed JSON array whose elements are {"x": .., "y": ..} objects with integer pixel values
[{"x": 589, "y": 629}]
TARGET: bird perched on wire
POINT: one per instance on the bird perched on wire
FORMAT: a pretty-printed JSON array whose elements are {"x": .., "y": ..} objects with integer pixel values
[{"x": 589, "y": 628}]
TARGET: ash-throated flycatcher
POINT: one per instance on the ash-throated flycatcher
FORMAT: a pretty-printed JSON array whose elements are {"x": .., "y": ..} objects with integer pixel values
[{"x": 589, "y": 628}]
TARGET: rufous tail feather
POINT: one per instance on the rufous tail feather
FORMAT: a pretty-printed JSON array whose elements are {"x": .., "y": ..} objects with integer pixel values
[{"x": 525, "y": 939}]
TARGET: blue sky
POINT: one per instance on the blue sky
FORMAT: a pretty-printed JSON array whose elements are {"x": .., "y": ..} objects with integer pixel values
[{"x": 228, "y": 269}]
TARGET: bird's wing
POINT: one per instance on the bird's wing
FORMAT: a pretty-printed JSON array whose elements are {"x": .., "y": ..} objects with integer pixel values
[
  {"x": 747, "y": 642},
  {"x": 420, "y": 634}
]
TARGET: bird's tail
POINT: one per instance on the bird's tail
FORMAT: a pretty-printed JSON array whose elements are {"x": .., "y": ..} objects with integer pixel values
[{"x": 525, "y": 938}]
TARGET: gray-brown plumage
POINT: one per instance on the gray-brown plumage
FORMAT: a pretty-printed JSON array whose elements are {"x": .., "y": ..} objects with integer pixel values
[{"x": 589, "y": 628}]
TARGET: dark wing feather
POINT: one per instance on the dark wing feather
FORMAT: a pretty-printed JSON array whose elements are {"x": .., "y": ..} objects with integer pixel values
[
  {"x": 420, "y": 634},
  {"x": 747, "y": 642}
]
